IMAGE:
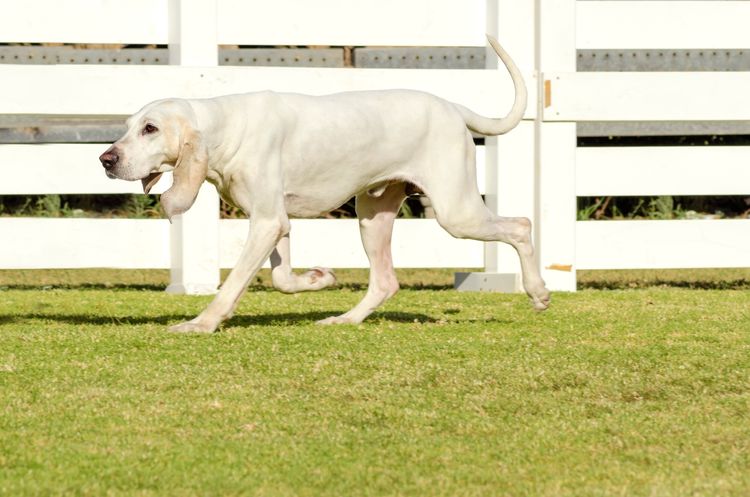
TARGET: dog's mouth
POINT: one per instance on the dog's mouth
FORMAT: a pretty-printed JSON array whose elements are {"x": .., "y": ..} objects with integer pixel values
[{"x": 149, "y": 181}]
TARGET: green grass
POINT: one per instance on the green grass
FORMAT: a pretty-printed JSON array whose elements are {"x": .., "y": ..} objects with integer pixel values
[{"x": 627, "y": 391}]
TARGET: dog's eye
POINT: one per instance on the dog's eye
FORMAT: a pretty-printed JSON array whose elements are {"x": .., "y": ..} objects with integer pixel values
[{"x": 149, "y": 129}]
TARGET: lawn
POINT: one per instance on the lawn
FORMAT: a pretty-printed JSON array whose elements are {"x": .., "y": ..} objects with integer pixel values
[{"x": 637, "y": 385}]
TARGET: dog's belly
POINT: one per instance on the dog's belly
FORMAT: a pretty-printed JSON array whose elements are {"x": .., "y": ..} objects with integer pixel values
[{"x": 306, "y": 206}]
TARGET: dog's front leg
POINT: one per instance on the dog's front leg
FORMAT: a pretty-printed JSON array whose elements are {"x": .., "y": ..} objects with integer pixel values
[{"x": 264, "y": 235}]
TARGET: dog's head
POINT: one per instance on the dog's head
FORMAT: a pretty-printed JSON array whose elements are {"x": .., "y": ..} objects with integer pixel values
[{"x": 161, "y": 137}]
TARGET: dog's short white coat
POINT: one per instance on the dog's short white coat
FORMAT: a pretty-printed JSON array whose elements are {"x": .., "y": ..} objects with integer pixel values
[{"x": 282, "y": 155}]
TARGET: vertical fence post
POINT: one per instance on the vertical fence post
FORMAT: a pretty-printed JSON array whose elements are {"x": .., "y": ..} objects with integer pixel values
[
  {"x": 509, "y": 159},
  {"x": 512, "y": 185},
  {"x": 195, "y": 235},
  {"x": 556, "y": 148}
]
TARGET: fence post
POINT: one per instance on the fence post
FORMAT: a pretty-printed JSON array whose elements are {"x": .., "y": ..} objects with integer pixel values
[
  {"x": 195, "y": 235},
  {"x": 556, "y": 148},
  {"x": 509, "y": 159}
]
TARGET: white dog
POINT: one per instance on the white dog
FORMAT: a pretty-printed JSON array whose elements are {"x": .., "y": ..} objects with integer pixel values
[{"x": 280, "y": 155}]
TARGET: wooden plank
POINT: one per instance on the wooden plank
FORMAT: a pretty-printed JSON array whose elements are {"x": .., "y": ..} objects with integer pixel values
[
  {"x": 193, "y": 32},
  {"x": 129, "y": 243},
  {"x": 343, "y": 23},
  {"x": 194, "y": 240},
  {"x": 709, "y": 170},
  {"x": 417, "y": 243},
  {"x": 513, "y": 24},
  {"x": 662, "y": 244},
  {"x": 508, "y": 182},
  {"x": 481, "y": 161},
  {"x": 194, "y": 235},
  {"x": 556, "y": 147},
  {"x": 555, "y": 229},
  {"x": 281, "y": 22},
  {"x": 662, "y": 24},
  {"x": 658, "y": 96},
  {"x": 508, "y": 176},
  {"x": 39, "y": 243},
  {"x": 85, "y": 21},
  {"x": 61, "y": 169},
  {"x": 123, "y": 90}
]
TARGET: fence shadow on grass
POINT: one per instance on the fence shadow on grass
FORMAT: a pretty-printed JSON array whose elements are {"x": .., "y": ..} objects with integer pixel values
[
  {"x": 271, "y": 319},
  {"x": 160, "y": 288},
  {"x": 691, "y": 279},
  {"x": 83, "y": 286},
  {"x": 738, "y": 284},
  {"x": 156, "y": 280}
]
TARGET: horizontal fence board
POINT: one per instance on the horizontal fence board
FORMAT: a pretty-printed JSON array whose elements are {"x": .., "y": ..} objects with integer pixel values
[
  {"x": 662, "y": 244},
  {"x": 698, "y": 170},
  {"x": 61, "y": 169},
  {"x": 40, "y": 243},
  {"x": 74, "y": 168},
  {"x": 367, "y": 57},
  {"x": 37, "y": 243},
  {"x": 662, "y": 24},
  {"x": 344, "y": 23},
  {"x": 126, "y": 243},
  {"x": 662, "y": 128},
  {"x": 660, "y": 59},
  {"x": 85, "y": 21},
  {"x": 648, "y": 96},
  {"x": 123, "y": 90},
  {"x": 281, "y": 22},
  {"x": 417, "y": 243}
]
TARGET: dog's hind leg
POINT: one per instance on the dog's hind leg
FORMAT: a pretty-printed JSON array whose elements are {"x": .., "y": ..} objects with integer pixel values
[
  {"x": 376, "y": 215},
  {"x": 286, "y": 281},
  {"x": 478, "y": 223},
  {"x": 460, "y": 211}
]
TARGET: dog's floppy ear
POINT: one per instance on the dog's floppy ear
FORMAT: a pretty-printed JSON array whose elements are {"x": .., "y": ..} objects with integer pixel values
[{"x": 190, "y": 171}]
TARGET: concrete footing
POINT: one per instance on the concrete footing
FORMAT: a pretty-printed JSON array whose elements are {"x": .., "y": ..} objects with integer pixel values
[{"x": 487, "y": 282}]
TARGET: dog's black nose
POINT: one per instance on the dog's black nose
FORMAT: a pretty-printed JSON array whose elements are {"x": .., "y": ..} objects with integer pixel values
[{"x": 109, "y": 158}]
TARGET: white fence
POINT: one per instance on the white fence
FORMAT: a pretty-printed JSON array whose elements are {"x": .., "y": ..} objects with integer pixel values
[{"x": 535, "y": 171}]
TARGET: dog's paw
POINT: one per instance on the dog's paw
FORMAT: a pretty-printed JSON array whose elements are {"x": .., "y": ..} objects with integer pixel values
[
  {"x": 320, "y": 277},
  {"x": 541, "y": 300},
  {"x": 192, "y": 327}
]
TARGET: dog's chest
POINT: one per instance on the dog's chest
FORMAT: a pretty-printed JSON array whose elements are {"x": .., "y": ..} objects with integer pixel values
[{"x": 221, "y": 186}]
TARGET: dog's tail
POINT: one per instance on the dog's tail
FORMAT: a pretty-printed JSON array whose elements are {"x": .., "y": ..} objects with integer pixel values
[{"x": 492, "y": 127}]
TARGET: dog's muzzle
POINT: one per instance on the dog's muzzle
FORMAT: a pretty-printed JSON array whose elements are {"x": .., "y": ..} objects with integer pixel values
[{"x": 109, "y": 160}]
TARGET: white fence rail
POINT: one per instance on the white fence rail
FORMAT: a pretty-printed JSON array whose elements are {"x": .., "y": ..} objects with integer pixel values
[
  {"x": 536, "y": 170},
  {"x": 662, "y": 24},
  {"x": 145, "y": 243},
  {"x": 653, "y": 96},
  {"x": 620, "y": 171}
]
